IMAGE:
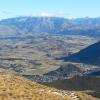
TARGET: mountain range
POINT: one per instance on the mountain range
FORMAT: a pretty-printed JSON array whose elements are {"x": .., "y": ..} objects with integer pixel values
[{"x": 53, "y": 25}]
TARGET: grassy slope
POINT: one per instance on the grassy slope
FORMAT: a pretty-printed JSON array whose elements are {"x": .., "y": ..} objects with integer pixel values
[
  {"x": 14, "y": 87},
  {"x": 17, "y": 88}
]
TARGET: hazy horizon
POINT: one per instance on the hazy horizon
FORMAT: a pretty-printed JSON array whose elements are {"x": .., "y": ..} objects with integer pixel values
[{"x": 58, "y": 8}]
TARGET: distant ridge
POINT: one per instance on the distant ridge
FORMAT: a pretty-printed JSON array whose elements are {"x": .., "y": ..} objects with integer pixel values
[{"x": 53, "y": 25}]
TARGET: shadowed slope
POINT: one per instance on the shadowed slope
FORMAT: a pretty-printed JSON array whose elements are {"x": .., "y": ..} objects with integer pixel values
[
  {"x": 88, "y": 84},
  {"x": 89, "y": 55}
]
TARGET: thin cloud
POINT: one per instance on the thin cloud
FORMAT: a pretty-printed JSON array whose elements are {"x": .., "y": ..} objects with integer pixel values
[
  {"x": 56, "y": 14},
  {"x": 43, "y": 14}
]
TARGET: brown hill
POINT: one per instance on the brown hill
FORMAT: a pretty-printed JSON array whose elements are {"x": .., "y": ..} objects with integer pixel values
[{"x": 14, "y": 87}]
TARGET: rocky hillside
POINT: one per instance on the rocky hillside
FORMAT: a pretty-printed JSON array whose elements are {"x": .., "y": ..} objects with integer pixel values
[
  {"x": 14, "y": 87},
  {"x": 29, "y": 25}
]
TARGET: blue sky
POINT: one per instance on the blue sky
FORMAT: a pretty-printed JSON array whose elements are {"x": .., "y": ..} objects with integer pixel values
[{"x": 60, "y": 8}]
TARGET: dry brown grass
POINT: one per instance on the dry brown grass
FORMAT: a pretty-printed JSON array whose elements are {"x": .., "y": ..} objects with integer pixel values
[{"x": 13, "y": 87}]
